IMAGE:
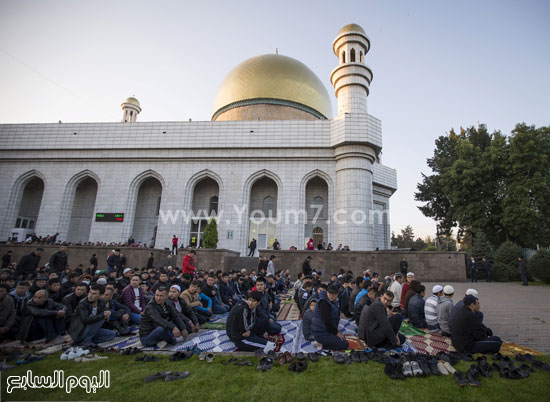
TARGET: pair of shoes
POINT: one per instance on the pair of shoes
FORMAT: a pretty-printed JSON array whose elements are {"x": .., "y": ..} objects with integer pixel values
[
  {"x": 50, "y": 350},
  {"x": 159, "y": 375},
  {"x": 358, "y": 356},
  {"x": 445, "y": 368},
  {"x": 73, "y": 353},
  {"x": 89, "y": 358},
  {"x": 300, "y": 356},
  {"x": 394, "y": 371},
  {"x": 183, "y": 355},
  {"x": 411, "y": 368},
  {"x": 130, "y": 351},
  {"x": 266, "y": 363},
  {"x": 527, "y": 358},
  {"x": 484, "y": 368},
  {"x": 472, "y": 376},
  {"x": 498, "y": 356},
  {"x": 341, "y": 358},
  {"x": 30, "y": 359},
  {"x": 243, "y": 362},
  {"x": 541, "y": 365},
  {"x": 459, "y": 378},
  {"x": 284, "y": 358},
  {"x": 147, "y": 358},
  {"x": 228, "y": 362},
  {"x": 178, "y": 375},
  {"x": 314, "y": 357},
  {"x": 298, "y": 366}
]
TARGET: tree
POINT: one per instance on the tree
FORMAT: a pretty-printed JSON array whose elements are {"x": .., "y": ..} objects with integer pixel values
[
  {"x": 405, "y": 239},
  {"x": 210, "y": 235},
  {"x": 539, "y": 265},
  {"x": 490, "y": 183},
  {"x": 481, "y": 247}
]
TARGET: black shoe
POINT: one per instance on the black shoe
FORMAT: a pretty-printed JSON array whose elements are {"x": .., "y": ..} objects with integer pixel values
[
  {"x": 300, "y": 356},
  {"x": 424, "y": 366},
  {"x": 265, "y": 364},
  {"x": 498, "y": 356},
  {"x": 394, "y": 371},
  {"x": 157, "y": 376},
  {"x": 472, "y": 376},
  {"x": 228, "y": 362},
  {"x": 541, "y": 365},
  {"x": 433, "y": 366},
  {"x": 301, "y": 365},
  {"x": 339, "y": 358},
  {"x": 528, "y": 358},
  {"x": 314, "y": 357},
  {"x": 178, "y": 375},
  {"x": 354, "y": 356},
  {"x": 459, "y": 378},
  {"x": 484, "y": 368}
]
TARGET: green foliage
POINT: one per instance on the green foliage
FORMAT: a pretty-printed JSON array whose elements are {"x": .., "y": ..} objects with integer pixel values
[
  {"x": 406, "y": 240},
  {"x": 210, "y": 236},
  {"x": 507, "y": 255},
  {"x": 491, "y": 183},
  {"x": 539, "y": 266},
  {"x": 501, "y": 272},
  {"x": 430, "y": 248},
  {"x": 481, "y": 247}
]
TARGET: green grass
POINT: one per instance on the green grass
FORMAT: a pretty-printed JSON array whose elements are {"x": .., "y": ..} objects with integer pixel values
[{"x": 323, "y": 380}]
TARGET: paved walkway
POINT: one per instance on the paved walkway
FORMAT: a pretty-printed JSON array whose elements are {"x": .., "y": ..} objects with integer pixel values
[{"x": 516, "y": 313}]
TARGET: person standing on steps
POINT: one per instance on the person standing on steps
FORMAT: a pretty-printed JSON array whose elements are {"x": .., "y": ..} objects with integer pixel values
[{"x": 252, "y": 247}]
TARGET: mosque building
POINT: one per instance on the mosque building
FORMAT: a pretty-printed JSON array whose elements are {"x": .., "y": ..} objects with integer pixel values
[{"x": 272, "y": 148}]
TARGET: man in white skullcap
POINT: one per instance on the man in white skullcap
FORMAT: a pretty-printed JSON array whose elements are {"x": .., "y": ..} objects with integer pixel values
[
  {"x": 430, "y": 308},
  {"x": 460, "y": 304},
  {"x": 444, "y": 309}
]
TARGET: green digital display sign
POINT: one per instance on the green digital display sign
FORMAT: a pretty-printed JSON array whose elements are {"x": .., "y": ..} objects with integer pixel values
[{"x": 109, "y": 217}]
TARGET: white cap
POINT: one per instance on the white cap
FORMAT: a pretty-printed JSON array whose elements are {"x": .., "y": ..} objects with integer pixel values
[
  {"x": 410, "y": 273},
  {"x": 176, "y": 287},
  {"x": 243, "y": 271},
  {"x": 101, "y": 281},
  {"x": 448, "y": 290},
  {"x": 437, "y": 289},
  {"x": 126, "y": 270},
  {"x": 473, "y": 292}
]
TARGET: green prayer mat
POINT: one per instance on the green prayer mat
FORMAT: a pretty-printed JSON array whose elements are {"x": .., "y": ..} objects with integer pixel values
[
  {"x": 408, "y": 329},
  {"x": 213, "y": 325}
]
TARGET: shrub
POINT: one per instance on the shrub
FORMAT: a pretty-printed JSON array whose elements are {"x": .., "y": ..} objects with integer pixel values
[
  {"x": 508, "y": 254},
  {"x": 539, "y": 266},
  {"x": 210, "y": 236},
  {"x": 430, "y": 248},
  {"x": 501, "y": 272}
]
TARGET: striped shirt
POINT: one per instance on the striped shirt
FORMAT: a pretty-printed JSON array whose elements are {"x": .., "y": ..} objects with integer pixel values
[{"x": 430, "y": 310}]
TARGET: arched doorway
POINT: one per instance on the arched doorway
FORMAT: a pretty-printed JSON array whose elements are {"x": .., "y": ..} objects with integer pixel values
[
  {"x": 263, "y": 212},
  {"x": 82, "y": 211},
  {"x": 204, "y": 206},
  {"x": 147, "y": 211},
  {"x": 29, "y": 206},
  {"x": 316, "y": 206}
]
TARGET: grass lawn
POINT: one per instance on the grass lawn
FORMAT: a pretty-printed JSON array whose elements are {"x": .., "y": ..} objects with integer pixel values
[
  {"x": 532, "y": 283},
  {"x": 323, "y": 380}
]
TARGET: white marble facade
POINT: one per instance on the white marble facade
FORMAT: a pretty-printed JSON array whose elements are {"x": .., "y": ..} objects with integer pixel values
[{"x": 148, "y": 170}]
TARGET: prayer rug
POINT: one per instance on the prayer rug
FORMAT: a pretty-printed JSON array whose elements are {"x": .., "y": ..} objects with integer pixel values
[
  {"x": 213, "y": 325},
  {"x": 288, "y": 312},
  {"x": 408, "y": 329},
  {"x": 512, "y": 349},
  {"x": 431, "y": 343}
]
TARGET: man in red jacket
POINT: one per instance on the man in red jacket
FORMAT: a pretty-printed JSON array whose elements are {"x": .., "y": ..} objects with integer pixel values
[
  {"x": 188, "y": 264},
  {"x": 175, "y": 245},
  {"x": 406, "y": 286}
]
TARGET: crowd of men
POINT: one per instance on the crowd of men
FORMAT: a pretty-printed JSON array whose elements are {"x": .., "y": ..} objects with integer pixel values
[{"x": 45, "y": 302}]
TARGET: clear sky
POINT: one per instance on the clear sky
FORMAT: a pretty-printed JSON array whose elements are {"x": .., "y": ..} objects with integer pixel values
[{"x": 436, "y": 64}]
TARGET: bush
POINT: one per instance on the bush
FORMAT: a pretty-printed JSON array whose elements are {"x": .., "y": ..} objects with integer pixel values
[
  {"x": 508, "y": 254},
  {"x": 501, "y": 272},
  {"x": 210, "y": 236},
  {"x": 539, "y": 266},
  {"x": 430, "y": 248}
]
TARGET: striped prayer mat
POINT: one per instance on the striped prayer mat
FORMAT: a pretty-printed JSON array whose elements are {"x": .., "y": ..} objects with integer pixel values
[
  {"x": 431, "y": 343},
  {"x": 288, "y": 312},
  {"x": 512, "y": 349}
]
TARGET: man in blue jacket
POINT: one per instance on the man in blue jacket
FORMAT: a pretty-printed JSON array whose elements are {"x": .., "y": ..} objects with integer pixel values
[{"x": 325, "y": 321}]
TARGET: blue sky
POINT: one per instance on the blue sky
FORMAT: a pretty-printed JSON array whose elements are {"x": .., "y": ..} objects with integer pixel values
[{"x": 436, "y": 64}]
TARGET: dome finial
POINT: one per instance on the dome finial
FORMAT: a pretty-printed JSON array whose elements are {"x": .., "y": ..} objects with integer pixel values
[{"x": 130, "y": 109}]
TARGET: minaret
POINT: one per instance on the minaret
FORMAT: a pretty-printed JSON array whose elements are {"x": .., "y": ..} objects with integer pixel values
[
  {"x": 355, "y": 148},
  {"x": 351, "y": 79},
  {"x": 130, "y": 110}
]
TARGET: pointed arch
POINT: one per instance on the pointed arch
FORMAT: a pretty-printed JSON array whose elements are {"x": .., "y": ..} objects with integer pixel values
[
  {"x": 352, "y": 55},
  {"x": 327, "y": 235}
]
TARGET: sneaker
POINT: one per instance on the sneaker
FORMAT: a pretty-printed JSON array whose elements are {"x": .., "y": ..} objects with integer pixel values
[
  {"x": 472, "y": 376},
  {"x": 416, "y": 368},
  {"x": 449, "y": 368},
  {"x": 50, "y": 350},
  {"x": 269, "y": 346},
  {"x": 78, "y": 352},
  {"x": 162, "y": 344},
  {"x": 65, "y": 354},
  {"x": 157, "y": 376},
  {"x": 407, "y": 370}
]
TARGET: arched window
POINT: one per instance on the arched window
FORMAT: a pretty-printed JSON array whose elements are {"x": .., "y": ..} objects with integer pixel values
[
  {"x": 213, "y": 205},
  {"x": 267, "y": 206},
  {"x": 344, "y": 56},
  {"x": 361, "y": 56},
  {"x": 352, "y": 56}
]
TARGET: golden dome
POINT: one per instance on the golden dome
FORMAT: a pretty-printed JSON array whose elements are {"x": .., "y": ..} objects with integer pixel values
[
  {"x": 351, "y": 28},
  {"x": 273, "y": 79},
  {"x": 132, "y": 100}
]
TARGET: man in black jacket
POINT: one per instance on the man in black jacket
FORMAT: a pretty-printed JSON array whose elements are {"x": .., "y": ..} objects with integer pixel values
[
  {"x": 89, "y": 317},
  {"x": 403, "y": 266},
  {"x": 377, "y": 330},
  {"x": 468, "y": 334},
  {"x": 72, "y": 299},
  {"x": 120, "y": 314},
  {"x": 150, "y": 261},
  {"x": 522, "y": 270},
  {"x": 187, "y": 315},
  {"x": 60, "y": 260},
  {"x": 306, "y": 267},
  {"x": 6, "y": 259},
  {"x": 29, "y": 263},
  {"x": 241, "y": 321},
  {"x": 42, "y": 318},
  {"x": 113, "y": 262},
  {"x": 160, "y": 323}
]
